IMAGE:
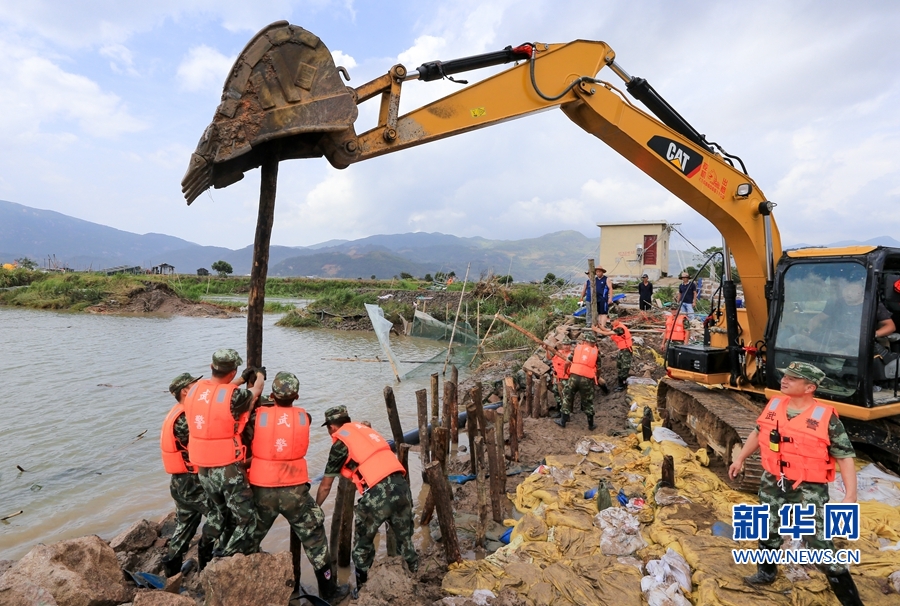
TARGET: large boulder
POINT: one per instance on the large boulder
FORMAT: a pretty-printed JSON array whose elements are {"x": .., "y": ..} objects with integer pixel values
[
  {"x": 257, "y": 579},
  {"x": 77, "y": 572},
  {"x": 138, "y": 537}
]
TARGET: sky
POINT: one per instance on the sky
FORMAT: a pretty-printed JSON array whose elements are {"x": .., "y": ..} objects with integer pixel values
[{"x": 104, "y": 101}]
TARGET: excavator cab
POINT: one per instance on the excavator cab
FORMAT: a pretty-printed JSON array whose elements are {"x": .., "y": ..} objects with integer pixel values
[{"x": 827, "y": 305}]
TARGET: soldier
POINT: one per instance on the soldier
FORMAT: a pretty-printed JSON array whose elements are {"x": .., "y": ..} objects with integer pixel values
[
  {"x": 621, "y": 336},
  {"x": 279, "y": 435},
  {"x": 361, "y": 455},
  {"x": 217, "y": 411},
  {"x": 560, "y": 378},
  {"x": 185, "y": 488},
  {"x": 805, "y": 441},
  {"x": 583, "y": 377}
]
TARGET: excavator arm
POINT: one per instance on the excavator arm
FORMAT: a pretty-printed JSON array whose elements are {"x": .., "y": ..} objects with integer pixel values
[{"x": 284, "y": 98}]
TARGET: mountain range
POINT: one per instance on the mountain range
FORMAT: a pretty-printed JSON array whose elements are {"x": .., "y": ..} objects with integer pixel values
[{"x": 52, "y": 238}]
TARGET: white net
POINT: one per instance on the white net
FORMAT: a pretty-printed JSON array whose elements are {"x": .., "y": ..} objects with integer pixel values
[{"x": 382, "y": 328}]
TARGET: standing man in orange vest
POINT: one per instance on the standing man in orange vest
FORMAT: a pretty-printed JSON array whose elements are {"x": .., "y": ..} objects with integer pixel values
[
  {"x": 185, "y": 488},
  {"x": 217, "y": 410},
  {"x": 621, "y": 336},
  {"x": 279, "y": 438},
  {"x": 361, "y": 455},
  {"x": 583, "y": 378},
  {"x": 803, "y": 441}
]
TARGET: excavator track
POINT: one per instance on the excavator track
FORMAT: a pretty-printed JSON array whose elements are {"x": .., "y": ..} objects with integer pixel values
[{"x": 719, "y": 419}]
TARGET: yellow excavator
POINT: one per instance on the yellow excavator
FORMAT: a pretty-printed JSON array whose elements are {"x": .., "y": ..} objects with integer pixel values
[{"x": 285, "y": 98}]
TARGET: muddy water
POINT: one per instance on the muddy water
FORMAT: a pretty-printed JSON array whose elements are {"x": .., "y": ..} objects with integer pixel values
[{"x": 77, "y": 390}]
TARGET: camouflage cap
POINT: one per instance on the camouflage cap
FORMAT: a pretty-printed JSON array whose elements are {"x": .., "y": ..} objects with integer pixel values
[
  {"x": 335, "y": 413},
  {"x": 285, "y": 386},
  {"x": 590, "y": 336},
  {"x": 804, "y": 370},
  {"x": 182, "y": 381},
  {"x": 619, "y": 330},
  {"x": 226, "y": 360}
]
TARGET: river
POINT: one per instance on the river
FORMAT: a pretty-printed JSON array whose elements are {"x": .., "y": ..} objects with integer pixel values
[{"x": 79, "y": 389}]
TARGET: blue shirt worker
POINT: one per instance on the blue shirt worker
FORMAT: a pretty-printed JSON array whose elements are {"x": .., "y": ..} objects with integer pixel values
[{"x": 687, "y": 294}]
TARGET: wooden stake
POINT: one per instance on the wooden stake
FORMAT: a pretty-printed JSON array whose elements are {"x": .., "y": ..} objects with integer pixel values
[
  {"x": 260, "y": 270},
  {"x": 514, "y": 418},
  {"x": 443, "y": 499},
  {"x": 479, "y": 408},
  {"x": 541, "y": 396},
  {"x": 342, "y": 522},
  {"x": 393, "y": 416},
  {"x": 454, "y": 414},
  {"x": 668, "y": 472},
  {"x": 403, "y": 456},
  {"x": 472, "y": 433},
  {"x": 481, "y": 345},
  {"x": 447, "y": 419},
  {"x": 434, "y": 401},
  {"x": 440, "y": 439},
  {"x": 494, "y": 466},
  {"x": 529, "y": 395},
  {"x": 646, "y": 428},
  {"x": 424, "y": 444},
  {"x": 456, "y": 320},
  {"x": 478, "y": 455},
  {"x": 501, "y": 462},
  {"x": 592, "y": 305}
]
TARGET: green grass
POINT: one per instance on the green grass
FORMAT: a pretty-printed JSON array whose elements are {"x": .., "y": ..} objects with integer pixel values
[
  {"x": 73, "y": 291},
  {"x": 18, "y": 277}
]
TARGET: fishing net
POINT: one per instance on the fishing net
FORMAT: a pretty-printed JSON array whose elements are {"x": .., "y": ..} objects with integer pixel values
[
  {"x": 382, "y": 328},
  {"x": 461, "y": 357},
  {"x": 429, "y": 327}
]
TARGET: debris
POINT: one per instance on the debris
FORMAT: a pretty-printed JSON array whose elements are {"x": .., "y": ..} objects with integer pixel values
[
  {"x": 12, "y": 515},
  {"x": 661, "y": 434}
]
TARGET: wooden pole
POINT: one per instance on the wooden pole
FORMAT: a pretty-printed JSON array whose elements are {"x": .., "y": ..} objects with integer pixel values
[
  {"x": 403, "y": 456},
  {"x": 494, "y": 466},
  {"x": 479, "y": 408},
  {"x": 456, "y": 320},
  {"x": 529, "y": 394},
  {"x": 342, "y": 522},
  {"x": 538, "y": 410},
  {"x": 478, "y": 320},
  {"x": 434, "y": 401},
  {"x": 260, "y": 270},
  {"x": 422, "y": 407},
  {"x": 440, "y": 439},
  {"x": 501, "y": 462},
  {"x": 448, "y": 417},
  {"x": 472, "y": 433},
  {"x": 531, "y": 336},
  {"x": 592, "y": 306},
  {"x": 478, "y": 455},
  {"x": 668, "y": 472},
  {"x": 393, "y": 416},
  {"x": 443, "y": 499},
  {"x": 514, "y": 418}
]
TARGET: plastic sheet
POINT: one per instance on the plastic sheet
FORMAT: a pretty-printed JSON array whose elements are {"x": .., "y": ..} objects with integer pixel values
[{"x": 382, "y": 327}]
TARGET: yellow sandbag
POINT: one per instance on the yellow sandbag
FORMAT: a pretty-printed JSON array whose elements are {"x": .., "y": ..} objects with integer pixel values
[
  {"x": 530, "y": 528},
  {"x": 573, "y": 543},
  {"x": 467, "y": 576},
  {"x": 880, "y": 519},
  {"x": 520, "y": 577},
  {"x": 540, "y": 552},
  {"x": 702, "y": 457},
  {"x": 569, "y": 517},
  {"x": 571, "y": 586}
]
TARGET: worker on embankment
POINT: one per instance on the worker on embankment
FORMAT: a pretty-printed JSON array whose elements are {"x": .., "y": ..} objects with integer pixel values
[
  {"x": 621, "y": 336},
  {"x": 583, "y": 378},
  {"x": 803, "y": 443},
  {"x": 190, "y": 499},
  {"x": 361, "y": 455},
  {"x": 278, "y": 433}
]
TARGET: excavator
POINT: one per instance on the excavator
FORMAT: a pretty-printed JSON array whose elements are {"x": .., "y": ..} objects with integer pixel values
[{"x": 285, "y": 98}]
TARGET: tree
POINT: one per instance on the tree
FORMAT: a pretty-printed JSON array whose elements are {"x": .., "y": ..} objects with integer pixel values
[
  {"x": 452, "y": 274},
  {"x": 551, "y": 280},
  {"x": 26, "y": 263},
  {"x": 428, "y": 278},
  {"x": 373, "y": 277},
  {"x": 223, "y": 267},
  {"x": 505, "y": 280},
  {"x": 716, "y": 265},
  {"x": 405, "y": 276}
]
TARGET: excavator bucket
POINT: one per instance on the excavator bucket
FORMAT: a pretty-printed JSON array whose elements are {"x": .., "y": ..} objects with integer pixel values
[{"x": 285, "y": 98}]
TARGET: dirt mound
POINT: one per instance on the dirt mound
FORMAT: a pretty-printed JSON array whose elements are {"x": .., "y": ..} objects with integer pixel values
[{"x": 158, "y": 298}]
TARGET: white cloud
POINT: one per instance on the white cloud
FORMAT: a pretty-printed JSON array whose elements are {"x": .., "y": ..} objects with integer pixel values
[
  {"x": 343, "y": 59},
  {"x": 122, "y": 60},
  {"x": 204, "y": 68}
]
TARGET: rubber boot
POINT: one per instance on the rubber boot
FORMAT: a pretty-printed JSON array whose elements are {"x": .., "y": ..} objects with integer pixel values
[
  {"x": 361, "y": 577},
  {"x": 204, "y": 553},
  {"x": 765, "y": 573},
  {"x": 172, "y": 565},
  {"x": 562, "y": 420},
  {"x": 604, "y": 389},
  {"x": 590, "y": 419},
  {"x": 844, "y": 588},
  {"x": 620, "y": 385},
  {"x": 329, "y": 590}
]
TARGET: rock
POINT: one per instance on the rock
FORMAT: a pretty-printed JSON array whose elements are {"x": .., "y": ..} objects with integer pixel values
[
  {"x": 152, "y": 597},
  {"x": 77, "y": 572},
  {"x": 389, "y": 581},
  {"x": 137, "y": 537},
  {"x": 167, "y": 526},
  {"x": 895, "y": 580},
  {"x": 260, "y": 578},
  {"x": 6, "y": 565}
]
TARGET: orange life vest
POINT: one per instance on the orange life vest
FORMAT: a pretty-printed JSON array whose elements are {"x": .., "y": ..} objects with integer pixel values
[
  {"x": 280, "y": 442},
  {"x": 584, "y": 361},
  {"x": 674, "y": 331},
  {"x": 173, "y": 451},
  {"x": 802, "y": 454},
  {"x": 622, "y": 341},
  {"x": 560, "y": 368},
  {"x": 370, "y": 452},
  {"x": 215, "y": 435}
]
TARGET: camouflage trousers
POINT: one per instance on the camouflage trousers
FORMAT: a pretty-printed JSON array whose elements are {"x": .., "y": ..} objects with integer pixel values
[
  {"x": 583, "y": 385},
  {"x": 388, "y": 501},
  {"x": 558, "y": 389},
  {"x": 300, "y": 510},
  {"x": 623, "y": 364},
  {"x": 190, "y": 507},
  {"x": 232, "y": 514},
  {"x": 808, "y": 494}
]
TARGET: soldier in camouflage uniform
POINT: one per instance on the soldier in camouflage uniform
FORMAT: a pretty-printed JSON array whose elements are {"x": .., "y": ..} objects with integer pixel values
[
  {"x": 185, "y": 488},
  {"x": 621, "y": 336},
  {"x": 280, "y": 482},
  {"x": 389, "y": 500},
  {"x": 584, "y": 378},
  {"x": 798, "y": 383},
  {"x": 560, "y": 375},
  {"x": 232, "y": 514}
]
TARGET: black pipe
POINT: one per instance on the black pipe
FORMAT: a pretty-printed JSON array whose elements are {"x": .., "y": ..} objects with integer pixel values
[
  {"x": 435, "y": 70},
  {"x": 412, "y": 437},
  {"x": 641, "y": 90}
]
